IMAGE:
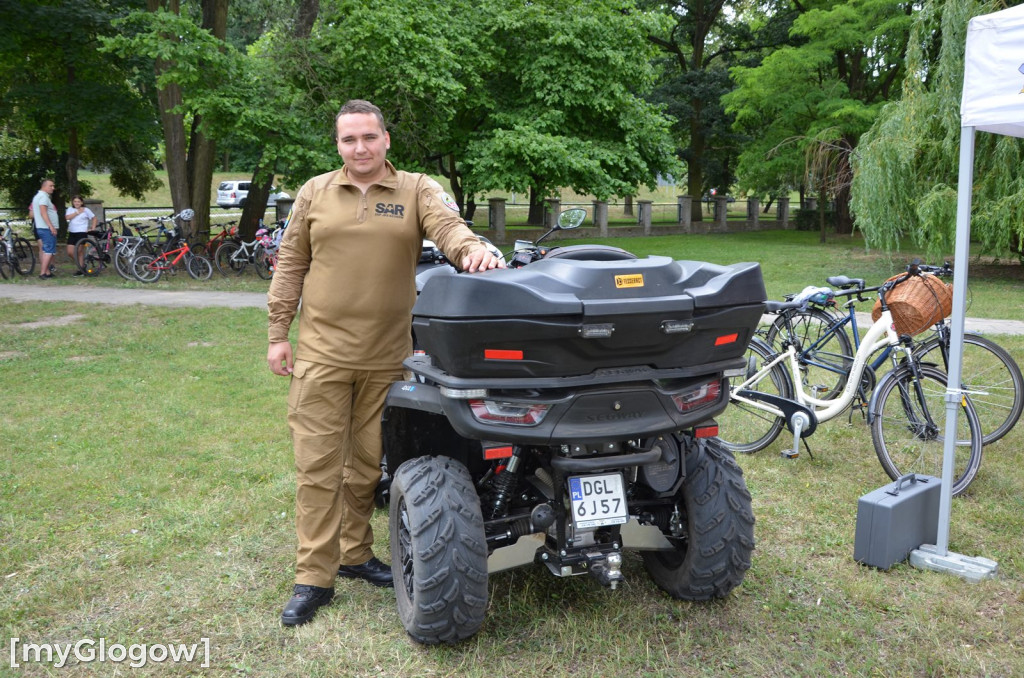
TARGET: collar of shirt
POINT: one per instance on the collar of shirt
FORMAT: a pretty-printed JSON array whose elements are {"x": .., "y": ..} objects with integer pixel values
[{"x": 390, "y": 180}]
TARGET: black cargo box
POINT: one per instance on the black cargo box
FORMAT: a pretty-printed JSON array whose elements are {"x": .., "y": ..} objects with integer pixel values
[{"x": 562, "y": 317}]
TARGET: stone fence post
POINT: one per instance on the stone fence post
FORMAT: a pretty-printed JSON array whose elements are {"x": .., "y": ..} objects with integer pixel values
[
  {"x": 96, "y": 207},
  {"x": 282, "y": 208},
  {"x": 644, "y": 216},
  {"x": 554, "y": 207},
  {"x": 721, "y": 212},
  {"x": 685, "y": 216},
  {"x": 601, "y": 217},
  {"x": 783, "y": 214},
  {"x": 496, "y": 218}
]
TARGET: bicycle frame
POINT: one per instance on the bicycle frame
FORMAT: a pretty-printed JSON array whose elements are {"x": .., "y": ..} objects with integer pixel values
[
  {"x": 881, "y": 335},
  {"x": 165, "y": 257}
]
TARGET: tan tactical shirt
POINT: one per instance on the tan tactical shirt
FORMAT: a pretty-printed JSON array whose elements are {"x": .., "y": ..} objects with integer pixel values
[{"x": 351, "y": 258}]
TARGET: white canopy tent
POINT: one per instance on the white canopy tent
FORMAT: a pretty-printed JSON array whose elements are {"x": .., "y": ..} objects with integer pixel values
[{"x": 992, "y": 101}]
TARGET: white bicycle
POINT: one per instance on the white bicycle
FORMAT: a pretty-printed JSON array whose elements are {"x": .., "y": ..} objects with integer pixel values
[{"x": 906, "y": 411}]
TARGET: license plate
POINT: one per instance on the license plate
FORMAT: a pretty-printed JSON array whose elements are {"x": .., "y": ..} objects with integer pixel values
[{"x": 597, "y": 501}]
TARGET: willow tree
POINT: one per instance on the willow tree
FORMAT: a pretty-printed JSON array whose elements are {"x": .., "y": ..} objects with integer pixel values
[{"x": 905, "y": 174}]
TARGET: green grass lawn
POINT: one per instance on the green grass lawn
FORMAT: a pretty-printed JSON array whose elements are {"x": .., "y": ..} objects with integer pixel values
[{"x": 146, "y": 496}]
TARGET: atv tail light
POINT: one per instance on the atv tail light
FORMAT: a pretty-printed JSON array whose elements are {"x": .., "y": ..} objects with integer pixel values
[
  {"x": 515, "y": 414},
  {"x": 701, "y": 395}
]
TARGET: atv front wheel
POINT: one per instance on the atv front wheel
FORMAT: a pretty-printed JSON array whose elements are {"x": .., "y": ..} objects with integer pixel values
[
  {"x": 438, "y": 550},
  {"x": 713, "y": 556}
]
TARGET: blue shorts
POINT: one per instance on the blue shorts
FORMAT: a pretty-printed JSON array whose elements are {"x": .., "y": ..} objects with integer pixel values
[{"x": 49, "y": 240}]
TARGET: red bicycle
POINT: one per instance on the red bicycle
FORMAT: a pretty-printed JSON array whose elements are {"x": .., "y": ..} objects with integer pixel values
[{"x": 148, "y": 268}]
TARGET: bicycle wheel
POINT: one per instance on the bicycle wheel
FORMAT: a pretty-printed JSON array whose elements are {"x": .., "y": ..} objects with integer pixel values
[
  {"x": 747, "y": 429},
  {"x": 825, "y": 356},
  {"x": 7, "y": 264},
  {"x": 992, "y": 379},
  {"x": 198, "y": 266},
  {"x": 24, "y": 256},
  {"x": 908, "y": 427},
  {"x": 226, "y": 261},
  {"x": 123, "y": 261},
  {"x": 261, "y": 262},
  {"x": 144, "y": 270},
  {"x": 89, "y": 257}
]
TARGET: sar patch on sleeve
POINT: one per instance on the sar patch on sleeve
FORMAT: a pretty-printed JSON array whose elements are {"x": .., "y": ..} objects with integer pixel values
[{"x": 449, "y": 201}]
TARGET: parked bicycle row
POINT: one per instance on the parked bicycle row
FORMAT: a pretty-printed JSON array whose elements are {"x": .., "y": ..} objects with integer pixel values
[
  {"x": 146, "y": 251},
  {"x": 811, "y": 364}
]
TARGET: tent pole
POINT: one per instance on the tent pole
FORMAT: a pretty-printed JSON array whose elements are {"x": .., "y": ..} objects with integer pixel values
[{"x": 938, "y": 557}]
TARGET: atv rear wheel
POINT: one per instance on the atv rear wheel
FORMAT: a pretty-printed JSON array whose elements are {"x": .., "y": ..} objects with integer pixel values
[
  {"x": 714, "y": 554},
  {"x": 438, "y": 550}
]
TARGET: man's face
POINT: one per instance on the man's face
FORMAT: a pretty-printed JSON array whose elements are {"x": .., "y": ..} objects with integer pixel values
[
  {"x": 363, "y": 145},
  {"x": 48, "y": 186}
]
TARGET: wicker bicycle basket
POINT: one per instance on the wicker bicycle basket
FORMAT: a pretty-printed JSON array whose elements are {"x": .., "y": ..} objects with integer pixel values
[{"x": 917, "y": 303}]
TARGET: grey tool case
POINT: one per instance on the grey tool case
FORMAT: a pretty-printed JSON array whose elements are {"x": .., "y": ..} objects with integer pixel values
[{"x": 896, "y": 519}]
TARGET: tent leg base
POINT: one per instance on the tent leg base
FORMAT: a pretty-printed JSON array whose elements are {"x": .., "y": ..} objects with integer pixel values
[{"x": 972, "y": 568}]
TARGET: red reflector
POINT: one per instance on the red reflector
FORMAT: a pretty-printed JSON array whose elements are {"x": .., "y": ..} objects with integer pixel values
[
  {"x": 726, "y": 339},
  {"x": 497, "y": 354},
  {"x": 706, "y": 431},
  {"x": 498, "y": 452}
]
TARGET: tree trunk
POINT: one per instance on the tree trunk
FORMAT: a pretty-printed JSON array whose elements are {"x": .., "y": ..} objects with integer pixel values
[
  {"x": 822, "y": 201},
  {"x": 74, "y": 151},
  {"x": 255, "y": 208},
  {"x": 627, "y": 206},
  {"x": 535, "y": 217}
]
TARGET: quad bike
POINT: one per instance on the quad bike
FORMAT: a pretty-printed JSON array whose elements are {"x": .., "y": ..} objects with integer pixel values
[{"x": 561, "y": 412}]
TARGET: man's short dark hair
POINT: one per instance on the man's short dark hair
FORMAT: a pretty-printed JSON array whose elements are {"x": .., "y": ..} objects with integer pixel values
[{"x": 360, "y": 106}]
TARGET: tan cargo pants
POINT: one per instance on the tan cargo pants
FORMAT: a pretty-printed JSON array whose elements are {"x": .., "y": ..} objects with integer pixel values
[{"x": 334, "y": 417}]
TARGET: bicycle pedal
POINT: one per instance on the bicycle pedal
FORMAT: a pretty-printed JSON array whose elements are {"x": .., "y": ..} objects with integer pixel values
[{"x": 789, "y": 454}]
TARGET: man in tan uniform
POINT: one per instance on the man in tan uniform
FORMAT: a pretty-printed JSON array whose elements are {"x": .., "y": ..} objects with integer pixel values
[{"x": 350, "y": 254}]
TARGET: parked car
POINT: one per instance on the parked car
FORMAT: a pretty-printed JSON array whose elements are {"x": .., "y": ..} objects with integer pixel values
[{"x": 234, "y": 193}]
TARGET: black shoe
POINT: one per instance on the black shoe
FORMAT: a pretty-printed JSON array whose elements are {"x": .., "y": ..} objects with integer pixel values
[
  {"x": 373, "y": 571},
  {"x": 78, "y": 273},
  {"x": 304, "y": 604}
]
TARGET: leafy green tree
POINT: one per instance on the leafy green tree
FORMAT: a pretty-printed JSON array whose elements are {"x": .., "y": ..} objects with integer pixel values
[
  {"x": 700, "y": 42},
  {"x": 905, "y": 181},
  {"x": 567, "y": 110},
  {"x": 65, "y": 105},
  {"x": 187, "y": 58},
  {"x": 529, "y": 97},
  {"x": 820, "y": 95}
]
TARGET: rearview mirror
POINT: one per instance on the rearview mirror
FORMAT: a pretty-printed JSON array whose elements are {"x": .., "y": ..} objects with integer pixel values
[{"x": 571, "y": 218}]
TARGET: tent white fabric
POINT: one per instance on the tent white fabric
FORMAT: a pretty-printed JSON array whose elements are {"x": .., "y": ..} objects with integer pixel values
[
  {"x": 993, "y": 95},
  {"x": 992, "y": 101}
]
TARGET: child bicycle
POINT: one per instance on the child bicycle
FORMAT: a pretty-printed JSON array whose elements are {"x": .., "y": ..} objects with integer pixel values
[
  {"x": 235, "y": 256},
  {"x": 906, "y": 410},
  {"x": 148, "y": 268}
]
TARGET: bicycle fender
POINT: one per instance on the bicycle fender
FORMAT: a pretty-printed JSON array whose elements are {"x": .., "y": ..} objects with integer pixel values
[{"x": 788, "y": 407}]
